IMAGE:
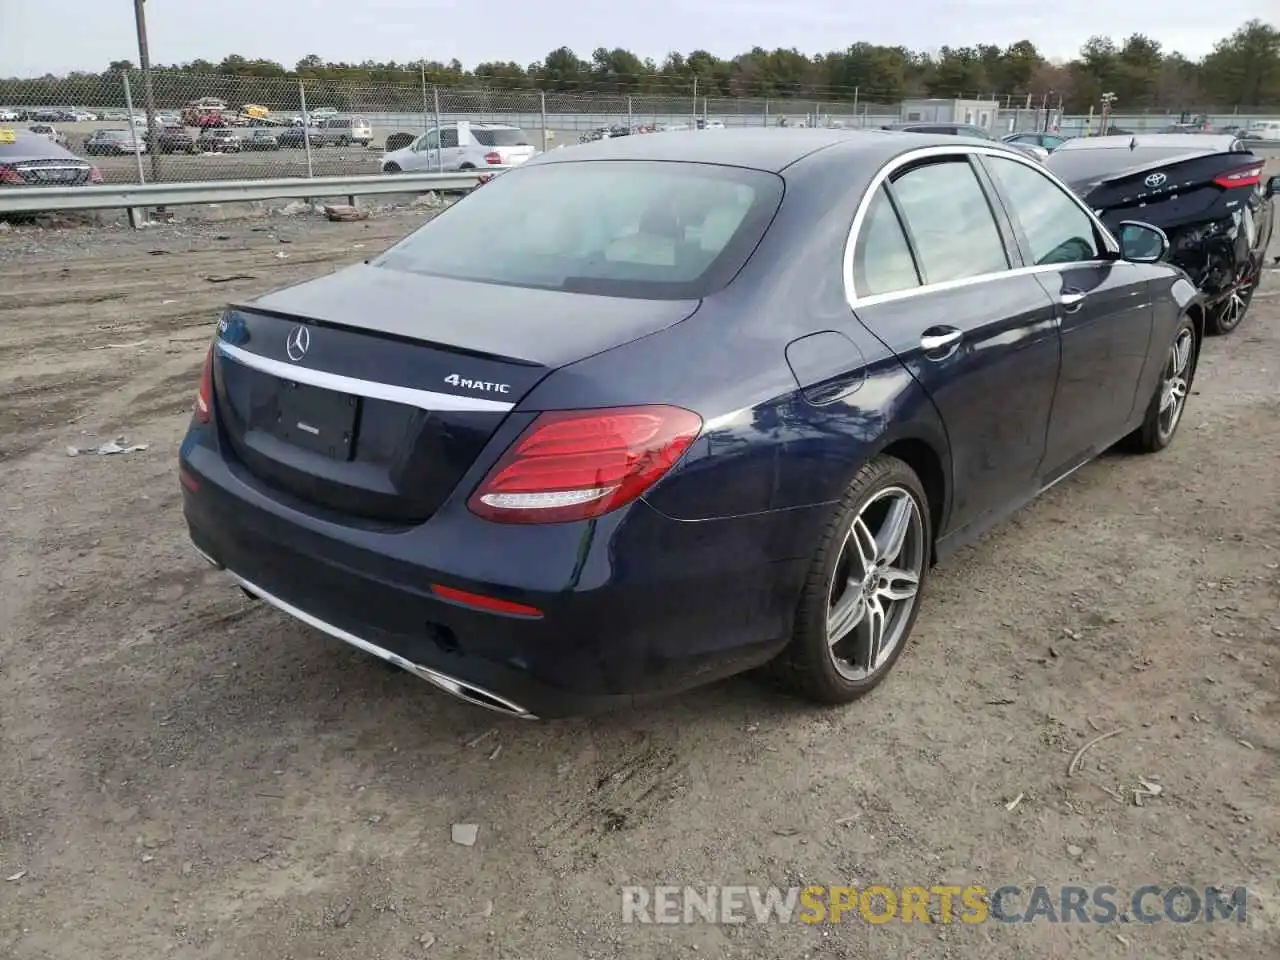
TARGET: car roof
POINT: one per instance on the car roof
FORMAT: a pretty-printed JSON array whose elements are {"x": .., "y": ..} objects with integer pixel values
[
  {"x": 1206, "y": 142},
  {"x": 759, "y": 148}
]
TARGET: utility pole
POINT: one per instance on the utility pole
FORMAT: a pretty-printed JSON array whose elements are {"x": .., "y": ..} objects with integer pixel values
[
  {"x": 1107, "y": 99},
  {"x": 148, "y": 93}
]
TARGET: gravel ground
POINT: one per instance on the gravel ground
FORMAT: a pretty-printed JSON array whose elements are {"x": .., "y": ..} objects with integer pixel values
[{"x": 189, "y": 774}]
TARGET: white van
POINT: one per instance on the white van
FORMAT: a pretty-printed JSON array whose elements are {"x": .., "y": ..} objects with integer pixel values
[{"x": 345, "y": 130}]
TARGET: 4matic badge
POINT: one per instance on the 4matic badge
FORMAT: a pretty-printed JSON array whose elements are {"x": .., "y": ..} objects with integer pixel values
[{"x": 454, "y": 380}]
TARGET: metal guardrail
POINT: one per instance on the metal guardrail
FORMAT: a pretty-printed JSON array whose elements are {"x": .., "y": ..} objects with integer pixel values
[{"x": 142, "y": 196}]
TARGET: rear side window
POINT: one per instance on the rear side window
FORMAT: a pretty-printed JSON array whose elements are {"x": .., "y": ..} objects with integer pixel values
[
  {"x": 882, "y": 261},
  {"x": 655, "y": 230},
  {"x": 501, "y": 138},
  {"x": 950, "y": 221},
  {"x": 1054, "y": 228},
  {"x": 449, "y": 137}
]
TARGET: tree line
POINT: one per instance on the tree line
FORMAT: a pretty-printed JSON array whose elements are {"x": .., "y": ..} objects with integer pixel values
[{"x": 1242, "y": 71}]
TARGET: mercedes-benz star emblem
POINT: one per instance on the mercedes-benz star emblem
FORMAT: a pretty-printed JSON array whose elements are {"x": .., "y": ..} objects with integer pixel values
[
  {"x": 1155, "y": 179},
  {"x": 298, "y": 343}
]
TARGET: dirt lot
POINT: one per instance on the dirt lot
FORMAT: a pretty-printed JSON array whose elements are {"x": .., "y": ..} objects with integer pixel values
[{"x": 185, "y": 773}]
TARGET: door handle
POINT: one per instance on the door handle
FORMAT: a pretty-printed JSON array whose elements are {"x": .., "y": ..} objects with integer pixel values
[
  {"x": 944, "y": 339},
  {"x": 1071, "y": 300}
]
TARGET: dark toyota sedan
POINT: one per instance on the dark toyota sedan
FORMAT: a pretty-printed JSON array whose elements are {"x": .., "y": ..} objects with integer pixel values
[
  {"x": 637, "y": 415},
  {"x": 1205, "y": 191}
]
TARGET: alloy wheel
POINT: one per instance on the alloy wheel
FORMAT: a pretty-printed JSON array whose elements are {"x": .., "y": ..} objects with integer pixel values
[
  {"x": 876, "y": 582},
  {"x": 1232, "y": 310},
  {"x": 1173, "y": 388}
]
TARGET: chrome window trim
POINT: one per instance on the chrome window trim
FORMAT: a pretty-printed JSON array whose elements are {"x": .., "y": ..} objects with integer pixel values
[
  {"x": 427, "y": 400},
  {"x": 924, "y": 153}
]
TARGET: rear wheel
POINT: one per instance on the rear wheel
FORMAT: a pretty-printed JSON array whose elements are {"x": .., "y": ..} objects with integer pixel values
[
  {"x": 391, "y": 168},
  {"x": 860, "y": 601},
  {"x": 1164, "y": 412},
  {"x": 1227, "y": 314}
]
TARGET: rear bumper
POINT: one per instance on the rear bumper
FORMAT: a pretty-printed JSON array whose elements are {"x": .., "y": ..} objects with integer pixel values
[{"x": 638, "y": 607}]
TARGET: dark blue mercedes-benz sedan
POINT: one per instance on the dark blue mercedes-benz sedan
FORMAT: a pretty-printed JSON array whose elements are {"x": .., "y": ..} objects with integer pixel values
[{"x": 644, "y": 413}]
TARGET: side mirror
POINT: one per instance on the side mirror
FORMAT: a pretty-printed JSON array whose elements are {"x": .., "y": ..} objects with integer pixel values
[
  {"x": 1141, "y": 242},
  {"x": 1273, "y": 187}
]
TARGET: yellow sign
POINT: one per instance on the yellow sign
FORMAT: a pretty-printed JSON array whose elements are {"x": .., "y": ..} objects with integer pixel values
[{"x": 8, "y": 136}]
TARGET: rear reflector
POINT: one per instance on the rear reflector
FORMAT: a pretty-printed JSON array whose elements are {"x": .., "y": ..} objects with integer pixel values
[
  {"x": 204, "y": 397},
  {"x": 578, "y": 464},
  {"x": 188, "y": 480},
  {"x": 480, "y": 602},
  {"x": 1249, "y": 176}
]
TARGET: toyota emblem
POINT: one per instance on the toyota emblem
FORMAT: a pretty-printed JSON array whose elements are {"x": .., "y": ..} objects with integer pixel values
[
  {"x": 298, "y": 343},
  {"x": 1155, "y": 180}
]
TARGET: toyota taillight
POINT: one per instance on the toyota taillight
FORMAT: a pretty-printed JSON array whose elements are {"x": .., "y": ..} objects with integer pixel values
[
  {"x": 1249, "y": 176},
  {"x": 493, "y": 157},
  {"x": 579, "y": 464},
  {"x": 94, "y": 175},
  {"x": 204, "y": 397},
  {"x": 10, "y": 175}
]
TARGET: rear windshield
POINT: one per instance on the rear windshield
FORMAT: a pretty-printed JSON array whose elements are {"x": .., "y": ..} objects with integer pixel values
[
  {"x": 655, "y": 230},
  {"x": 501, "y": 138}
]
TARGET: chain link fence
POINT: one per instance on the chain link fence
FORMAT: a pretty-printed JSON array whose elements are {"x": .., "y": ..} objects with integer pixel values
[{"x": 184, "y": 127}]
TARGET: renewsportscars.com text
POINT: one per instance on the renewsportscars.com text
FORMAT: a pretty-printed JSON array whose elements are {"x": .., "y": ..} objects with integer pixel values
[{"x": 972, "y": 904}]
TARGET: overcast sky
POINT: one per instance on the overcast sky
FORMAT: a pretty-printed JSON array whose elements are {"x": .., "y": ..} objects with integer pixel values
[{"x": 39, "y": 36}]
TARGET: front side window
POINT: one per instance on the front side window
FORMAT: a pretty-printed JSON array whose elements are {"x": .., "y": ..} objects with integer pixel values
[
  {"x": 656, "y": 230},
  {"x": 1056, "y": 230},
  {"x": 882, "y": 261},
  {"x": 950, "y": 221}
]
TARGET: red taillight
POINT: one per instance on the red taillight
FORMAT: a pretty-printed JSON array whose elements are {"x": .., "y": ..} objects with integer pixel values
[
  {"x": 480, "y": 602},
  {"x": 10, "y": 175},
  {"x": 204, "y": 398},
  {"x": 94, "y": 175},
  {"x": 493, "y": 157},
  {"x": 578, "y": 464},
  {"x": 1249, "y": 176}
]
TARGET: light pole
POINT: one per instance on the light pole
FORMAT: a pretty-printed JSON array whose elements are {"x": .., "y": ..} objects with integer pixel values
[{"x": 148, "y": 93}]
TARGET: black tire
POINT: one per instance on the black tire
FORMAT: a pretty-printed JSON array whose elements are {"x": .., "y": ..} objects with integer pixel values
[
  {"x": 807, "y": 666},
  {"x": 467, "y": 166},
  {"x": 391, "y": 168},
  {"x": 1157, "y": 431},
  {"x": 1228, "y": 313}
]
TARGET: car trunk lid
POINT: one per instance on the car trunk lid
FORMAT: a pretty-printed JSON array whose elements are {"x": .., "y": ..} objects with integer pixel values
[
  {"x": 1182, "y": 183},
  {"x": 370, "y": 393}
]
